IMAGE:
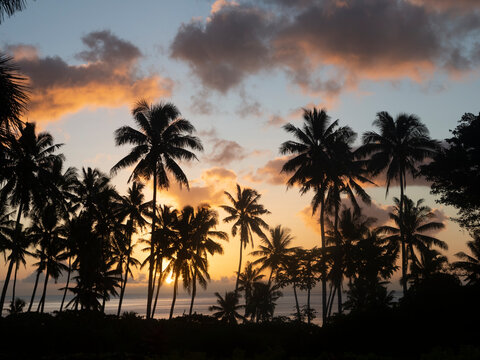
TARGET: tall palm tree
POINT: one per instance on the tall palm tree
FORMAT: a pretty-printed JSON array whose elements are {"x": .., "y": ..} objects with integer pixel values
[
  {"x": 412, "y": 223},
  {"x": 29, "y": 161},
  {"x": 397, "y": 150},
  {"x": 289, "y": 274},
  {"x": 227, "y": 308},
  {"x": 162, "y": 139},
  {"x": 318, "y": 153},
  {"x": 274, "y": 250},
  {"x": 132, "y": 208},
  {"x": 469, "y": 265},
  {"x": 206, "y": 220},
  {"x": 245, "y": 213}
]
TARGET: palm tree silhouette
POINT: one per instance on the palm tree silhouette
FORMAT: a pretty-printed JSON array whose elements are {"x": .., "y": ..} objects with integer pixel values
[
  {"x": 162, "y": 139},
  {"x": 289, "y": 274},
  {"x": 274, "y": 250},
  {"x": 245, "y": 213},
  {"x": 262, "y": 304},
  {"x": 29, "y": 161},
  {"x": 247, "y": 280},
  {"x": 470, "y": 264},
  {"x": 131, "y": 208},
  {"x": 227, "y": 308},
  {"x": 413, "y": 221},
  {"x": 398, "y": 148},
  {"x": 9, "y": 7},
  {"x": 205, "y": 220},
  {"x": 319, "y": 152}
]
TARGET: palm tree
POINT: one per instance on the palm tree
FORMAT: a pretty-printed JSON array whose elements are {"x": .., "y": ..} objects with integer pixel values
[
  {"x": 262, "y": 302},
  {"x": 274, "y": 250},
  {"x": 247, "y": 280},
  {"x": 132, "y": 208},
  {"x": 289, "y": 274},
  {"x": 398, "y": 148},
  {"x": 162, "y": 139},
  {"x": 29, "y": 162},
  {"x": 227, "y": 308},
  {"x": 414, "y": 220},
  {"x": 203, "y": 237},
  {"x": 245, "y": 213},
  {"x": 320, "y": 150},
  {"x": 186, "y": 261},
  {"x": 470, "y": 264},
  {"x": 47, "y": 231}
]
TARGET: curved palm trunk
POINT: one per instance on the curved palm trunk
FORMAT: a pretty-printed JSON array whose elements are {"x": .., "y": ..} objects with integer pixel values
[
  {"x": 67, "y": 283},
  {"x": 174, "y": 296},
  {"x": 340, "y": 272},
  {"x": 41, "y": 304},
  {"x": 296, "y": 301},
  {"x": 402, "y": 237},
  {"x": 152, "y": 263},
  {"x": 34, "y": 291},
  {"x": 10, "y": 266},
  {"x": 159, "y": 284},
  {"x": 324, "y": 276},
  {"x": 239, "y": 267},
  {"x": 194, "y": 292},
  {"x": 270, "y": 278}
]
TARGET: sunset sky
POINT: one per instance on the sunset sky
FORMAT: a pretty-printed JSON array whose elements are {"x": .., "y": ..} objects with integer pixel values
[{"x": 239, "y": 70}]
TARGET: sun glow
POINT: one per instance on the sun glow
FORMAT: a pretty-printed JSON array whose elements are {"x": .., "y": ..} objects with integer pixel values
[{"x": 169, "y": 279}]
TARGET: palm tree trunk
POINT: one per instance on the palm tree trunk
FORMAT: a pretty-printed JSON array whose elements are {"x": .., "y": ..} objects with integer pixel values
[
  {"x": 174, "y": 296},
  {"x": 339, "y": 294},
  {"x": 270, "y": 278},
  {"x": 324, "y": 275},
  {"x": 239, "y": 267},
  {"x": 296, "y": 301},
  {"x": 41, "y": 304},
  {"x": 159, "y": 284},
  {"x": 404, "y": 255},
  {"x": 10, "y": 266},
  {"x": 34, "y": 291},
  {"x": 194, "y": 291},
  {"x": 330, "y": 305},
  {"x": 340, "y": 271},
  {"x": 67, "y": 283},
  {"x": 5, "y": 285},
  {"x": 152, "y": 264},
  {"x": 14, "y": 284},
  {"x": 127, "y": 268}
]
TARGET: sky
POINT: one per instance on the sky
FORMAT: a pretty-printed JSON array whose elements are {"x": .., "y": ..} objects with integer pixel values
[{"x": 240, "y": 70}]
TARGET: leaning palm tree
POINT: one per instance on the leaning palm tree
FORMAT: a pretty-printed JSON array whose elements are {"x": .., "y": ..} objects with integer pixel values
[
  {"x": 29, "y": 159},
  {"x": 413, "y": 225},
  {"x": 397, "y": 150},
  {"x": 319, "y": 152},
  {"x": 162, "y": 139},
  {"x": 273, "y": 250},
  {"x": 469, "y": 265},
  {"x": 227, "y": 308},
  {"x": 245, "y": 213}
]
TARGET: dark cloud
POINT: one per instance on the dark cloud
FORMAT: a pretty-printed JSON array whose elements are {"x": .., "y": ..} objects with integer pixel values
[
  {"x": 226, "y": 151},
  {"x": 108, "y": 77},
  {"x": 327, "y": 46}
]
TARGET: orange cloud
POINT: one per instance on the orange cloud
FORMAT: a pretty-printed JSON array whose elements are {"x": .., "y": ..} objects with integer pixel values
[
  {"x": 270, "y": 173},
  {"x": 208, "y": 189},
  {"x": 107, "y": 77}
]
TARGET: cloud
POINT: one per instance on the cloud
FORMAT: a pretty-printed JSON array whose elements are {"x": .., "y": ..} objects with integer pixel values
[
  {"x": 225, "y": 151},
  {"x": 208, "y": 189},
  {"x": 310, "y": 41},
  {"x": 107, "y": 77},
  {"x": 270, "y": 173}
]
